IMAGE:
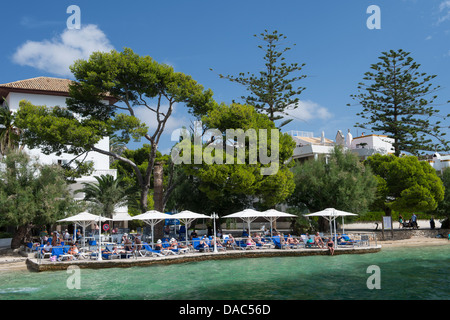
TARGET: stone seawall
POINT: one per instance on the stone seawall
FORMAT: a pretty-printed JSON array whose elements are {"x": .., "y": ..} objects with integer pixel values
[
  {"x": 402, "y": 234},
  {"x": 34, "y": 265}
]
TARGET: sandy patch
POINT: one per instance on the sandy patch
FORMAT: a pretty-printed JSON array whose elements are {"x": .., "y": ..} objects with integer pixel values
[{"x": 414, "y": 242}]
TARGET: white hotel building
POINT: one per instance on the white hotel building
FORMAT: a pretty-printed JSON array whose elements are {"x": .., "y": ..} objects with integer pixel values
[
  {"x": 45, "y": 91},
  {"x": 310, "y": 147}
]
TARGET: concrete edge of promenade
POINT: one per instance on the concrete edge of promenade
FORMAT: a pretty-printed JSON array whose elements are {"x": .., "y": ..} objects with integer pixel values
[{"x": 40, "y": 266}]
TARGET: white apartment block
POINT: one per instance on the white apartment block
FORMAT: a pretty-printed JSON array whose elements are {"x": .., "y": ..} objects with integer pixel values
[
  {"x": 310, "y": 147},
  {"x": 439, "y": 162},
  {"x": 367, "y": 145},
  {"x": 50, "y": 92}
]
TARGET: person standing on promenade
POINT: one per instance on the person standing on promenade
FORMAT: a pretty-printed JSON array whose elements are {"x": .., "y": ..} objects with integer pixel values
[{"x": 414, "y": 220}]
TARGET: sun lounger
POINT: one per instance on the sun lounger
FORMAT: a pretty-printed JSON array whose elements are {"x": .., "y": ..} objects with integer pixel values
[
  {"x": 345, "y": 240},
  {"x": 148, "y": 251},
  {"x": 166, "y": 249},
  {"x": 44, "y": 254},
  {"x": 30, "y": 247},
  {"x": 60, "y": 254},
  {"x": 242, "y": 244},
  {"x": 181, "y": 250},
  {"x": 109, "y": 255},
  {"x": 277, "y": 242},
  {"x": 226, "y": 238},
  {"x": 263, "y": 244},
  {"x": 198, "y": 246}
]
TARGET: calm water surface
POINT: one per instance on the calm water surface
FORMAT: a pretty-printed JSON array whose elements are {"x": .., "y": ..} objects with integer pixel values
[{"x": 406, "y": 273}]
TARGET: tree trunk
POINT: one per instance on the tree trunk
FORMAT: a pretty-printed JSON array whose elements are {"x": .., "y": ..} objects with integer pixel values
[
  {"x": 158, "y": 196},
  {"x": 144, "y": 200},
  {"x": 19, "y": 236},
  {"x": 388, "y": 211}
]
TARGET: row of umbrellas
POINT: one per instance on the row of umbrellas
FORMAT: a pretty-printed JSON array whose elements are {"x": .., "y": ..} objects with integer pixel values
[{"x": 153, "y": 217}]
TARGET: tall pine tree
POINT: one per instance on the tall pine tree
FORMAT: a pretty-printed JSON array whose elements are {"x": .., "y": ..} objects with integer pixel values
[
  {"x": 273, "y": 90},
  {"x": 397, "y": 100}
]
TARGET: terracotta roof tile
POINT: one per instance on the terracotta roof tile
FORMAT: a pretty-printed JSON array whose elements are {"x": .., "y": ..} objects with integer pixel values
[{"x": 41, "y": 84}]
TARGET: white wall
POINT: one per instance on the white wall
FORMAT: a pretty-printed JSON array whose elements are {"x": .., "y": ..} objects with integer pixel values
[
  {"x": 101, "y": 162},
  {"x": 378, "y": 143},
  {"x": 439, "y": 163}
]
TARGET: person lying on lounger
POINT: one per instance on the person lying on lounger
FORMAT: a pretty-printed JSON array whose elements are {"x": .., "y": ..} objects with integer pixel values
[
  {"x": 257, "y": 239},
  {"x": 291, "y": 240},
  {"x": 158, "y": 245},
  {"x": 230, "y": 241},
  {"x": 250, "y": 242},
  {"x": 204, "y": 243}
]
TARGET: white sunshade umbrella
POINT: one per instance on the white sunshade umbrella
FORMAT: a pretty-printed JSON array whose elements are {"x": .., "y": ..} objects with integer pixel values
[
  {"x": 120, "y": 216},
  {"x": 187, "y": 217},
  {"x": 247, "y": 215},
  {"x": 83, "y": 219},
  {"x": 272, "y": 215},
  {"x": 152, "y": 218},
  {"x": 331, "y": 214}
]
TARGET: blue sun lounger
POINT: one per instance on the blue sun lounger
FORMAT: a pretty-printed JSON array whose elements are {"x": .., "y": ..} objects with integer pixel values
[
  {"x": 198, "y": 246},
  {"x": 277, "y": 242},
  {"x": 60, "y": 253},
  {"x": 147, "y": 250}
]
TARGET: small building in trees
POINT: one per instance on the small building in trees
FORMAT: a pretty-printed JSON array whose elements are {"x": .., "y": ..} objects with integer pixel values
[
  {"x": 367, "y": 145},
  {"x": 309, "y": 147},
  {"x": 438, "y": 162}
]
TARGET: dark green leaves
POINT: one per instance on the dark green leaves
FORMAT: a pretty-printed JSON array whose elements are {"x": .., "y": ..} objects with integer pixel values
[
  {"x": 397, "y": 100},
  {"x": 272, "y": 89}
]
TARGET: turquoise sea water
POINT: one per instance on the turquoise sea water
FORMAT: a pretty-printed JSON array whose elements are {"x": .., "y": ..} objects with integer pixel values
[{"x": 406, "y": 273}]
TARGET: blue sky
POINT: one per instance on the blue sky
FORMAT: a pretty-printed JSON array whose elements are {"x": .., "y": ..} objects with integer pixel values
[{"x": 331, "y": 38}]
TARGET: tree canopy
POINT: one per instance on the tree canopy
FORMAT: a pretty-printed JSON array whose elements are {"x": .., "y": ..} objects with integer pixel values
[
  {"x": 130, "y": 83},
  {"x": 397, "y": 100},
  {"x": 405, "y": 184},
  {"x": 336, "y": 181},
  {"x": 272, "y": 90},
  {"x": 242, "y": 178},
  {"x": 107, "y": 194},
  {"x": 31, "y": 194}
]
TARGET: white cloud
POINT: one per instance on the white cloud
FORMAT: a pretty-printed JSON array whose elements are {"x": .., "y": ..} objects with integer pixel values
[
  {"x": 309, "y": 110},
  {"x": 149, "y": 118},
  {"x": 56, "y": 55},
  {"x": 444, "y": 8}
]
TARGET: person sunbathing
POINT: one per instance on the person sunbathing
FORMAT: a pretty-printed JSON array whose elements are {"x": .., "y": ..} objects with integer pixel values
[
  {"x": 173, "y": 244},
  {"x": 250, "y": 242},
  {"x": 217, "y": 242},
  {"x": 158, "y": 245},
  {"x": 318, "y": 241},
  {"x": 230, "y": 242},
  {"x": 73, "y": 250},
  {"x": 127, "y": 245},
  {"x": 344, "y": 239},
  {"x": 291, "y": 240},
  {"x": 204, "y": 243}
]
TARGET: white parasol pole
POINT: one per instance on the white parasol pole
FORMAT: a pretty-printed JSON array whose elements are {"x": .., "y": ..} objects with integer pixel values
[
  {"x": 214, "y": 216},
  {"x": 99, "y": 258}
]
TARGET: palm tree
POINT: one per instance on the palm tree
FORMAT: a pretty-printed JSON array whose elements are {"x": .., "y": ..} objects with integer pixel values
[
  {"x": 107, "y": 194},
  {"x": 9, "y": 136}
]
